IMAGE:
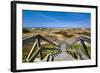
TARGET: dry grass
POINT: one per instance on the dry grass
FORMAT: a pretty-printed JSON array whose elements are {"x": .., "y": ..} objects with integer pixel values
[
  {"x": 58, "y": 34},
  {"x": 54, "y": 34},
  {"x": 26, "y": 49}
]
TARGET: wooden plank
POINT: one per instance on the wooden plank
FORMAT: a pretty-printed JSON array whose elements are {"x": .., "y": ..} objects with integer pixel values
[
  {"x": 37, "y": 42},
  {"x": 63, "y": 55},
  {"x": 81, "y": 55},
  {"x": 87, "y": 39},
  {"x": 30, "y": 53},
  {"x": 34, "y": 55},
  {"x": 45, "y": 39},
  {"x": 80, "y": 38},
  {"x": 75, "y": 41},
  {"x": 50, "y": 58},
  {"x": 39, "y": 45},
  {"x": 85, "y": 48},
  {"x": 29, "y": 39}
]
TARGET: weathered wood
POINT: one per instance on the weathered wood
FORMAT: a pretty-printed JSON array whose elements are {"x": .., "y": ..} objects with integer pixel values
[
  {"x": 30, "y": 53},
  {"x": 75, "y": 41},
  {"x": 85, "y": 48},
  {"x": 81, "y": 55},
  {"x": 87, "y": 39},
  {"x": 42, "y": 38},
  {"x": 34, "y": 55},
  {"x": 63, "y": 55},
  {"x": 39, "y": 45},
  {"x": 32, "y": 39},
  {"x": 62, "y": 52},
  {"x": 29, "y": 39},
  {"x": 36, "y": 38},
  {"x": 50, "y": 58}
]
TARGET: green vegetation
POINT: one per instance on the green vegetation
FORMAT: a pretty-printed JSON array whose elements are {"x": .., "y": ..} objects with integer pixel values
[
  {"x": 74, "y": 48},
  {"x": 55, "y": 34},
  {"x": 68, "y": 35},
  {"x": 25, "y": 30},
  {"x": 49, "y": 49},
  {"x": 46, "y": 49},
  {"x": 48, "y": 46},
  {"x": 85, "y": 33},
  {"x": 25, "y": 51},
  {"x": 73, "y": 54},
  {"x": 65, "y": 34},
  {"x": 87, "y": 51},
  {"x": 60, "y": 32}
]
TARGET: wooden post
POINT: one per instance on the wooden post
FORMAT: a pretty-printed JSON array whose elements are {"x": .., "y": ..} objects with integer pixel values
[
  {"x": 52, "y": 58},
  {"x": 81, "y": 55},
  {"x": 34, "y": 55},
  {"x": 30, "y": 53},
  {"x": 85, "y": 48},
  {"x": 31, "y": 57},
  {"x": 48, "y": 58},
  {"x": 39, "y": 45}
]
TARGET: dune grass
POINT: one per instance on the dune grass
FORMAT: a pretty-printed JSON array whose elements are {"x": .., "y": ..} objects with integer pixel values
[
  {"x": 76, "y": 46},
  {"x": 26, "y": 49}
]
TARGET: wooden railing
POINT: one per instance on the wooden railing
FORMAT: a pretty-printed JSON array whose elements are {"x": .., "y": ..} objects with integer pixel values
[
  {"x": 37, "y": 44},
  {"x": 33, "y": 38},
  {"x": 50, "y": 57},
  {"x": 82, "y": 52}
]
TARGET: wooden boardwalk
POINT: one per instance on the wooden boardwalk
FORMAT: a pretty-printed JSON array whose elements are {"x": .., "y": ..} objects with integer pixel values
[
  {"x": 63, "y": 55},
  {"x": 61, "y": 46}
]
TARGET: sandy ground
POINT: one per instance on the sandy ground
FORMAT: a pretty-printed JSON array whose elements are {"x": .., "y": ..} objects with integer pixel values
[{"x": 55, "y": 34}]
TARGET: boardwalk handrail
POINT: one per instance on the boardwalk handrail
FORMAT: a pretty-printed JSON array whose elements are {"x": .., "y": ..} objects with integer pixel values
[
  {"x": 37, "y": 44},
  {"x": 88, "y": 40},
  {"x": 31, "y": 39},
  {"x": 83, "y": 46},
  {"x": 36, "y": 39},
  {"x": 45, "y": 39}
]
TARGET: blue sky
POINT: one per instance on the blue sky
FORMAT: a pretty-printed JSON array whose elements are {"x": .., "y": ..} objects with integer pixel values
[{"x": 52, "y": 19}]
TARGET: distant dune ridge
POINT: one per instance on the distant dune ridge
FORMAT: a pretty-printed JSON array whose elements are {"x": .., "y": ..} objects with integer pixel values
[{"x": 57, "y": 33}]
